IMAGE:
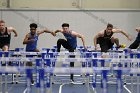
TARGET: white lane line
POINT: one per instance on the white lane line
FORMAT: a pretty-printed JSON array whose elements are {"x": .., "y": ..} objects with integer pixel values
[
  {"x": 25, "y": 90},
  {"x": 127, "y": 89},
  {"x": 60, "y": 88},
  {"x": 94, "y": 90}
]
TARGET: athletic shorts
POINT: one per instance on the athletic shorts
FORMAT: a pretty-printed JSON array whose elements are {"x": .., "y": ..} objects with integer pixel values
[{"x": 105, "y": 44}]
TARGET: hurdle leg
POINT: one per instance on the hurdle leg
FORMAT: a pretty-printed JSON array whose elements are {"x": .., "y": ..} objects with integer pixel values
[
  {"x": 17, "y": 78},
  {"x": 6, "y": 89},
  {"x": 17, "y": 74},
  {"x": 86, "y": 76},
  {"x": 119, "y": 80},
  {"x": 132, "y": 84},
  {"x": 138, "y": 80},
  {"x": 48, "y": 84},
  {"x": 6, "y": 74},
  {"x": 38, "y": 75},
  {"x": 1, "y": 82},
  {"x": 41, "y": 81},
  {"x": 94, "y": 82},
  {"x": 87, "y": 83},
  {"x": 37, "y": 81},
  {"x": 104, "y": 81},
  {"x": 28, "y": 73},
  {"x": 71, "y": 64},
  {"x": 12, "y": 74},
  {"x": 83, "y": 74},
  {"x": 12, "y": 78}
]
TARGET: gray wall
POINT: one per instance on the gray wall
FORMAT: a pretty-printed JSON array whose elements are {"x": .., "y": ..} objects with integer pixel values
[{"x": 85, "y": 22}]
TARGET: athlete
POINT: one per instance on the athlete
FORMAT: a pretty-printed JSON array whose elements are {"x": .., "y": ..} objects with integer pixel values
[{"x": 106, "y": 40}]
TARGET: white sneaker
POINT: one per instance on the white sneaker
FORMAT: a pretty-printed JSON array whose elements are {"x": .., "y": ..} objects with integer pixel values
[{"x": 72, "y": 81}]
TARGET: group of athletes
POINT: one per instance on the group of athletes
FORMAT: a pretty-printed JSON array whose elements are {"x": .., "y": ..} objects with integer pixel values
[{"x": 104, "y": 38}]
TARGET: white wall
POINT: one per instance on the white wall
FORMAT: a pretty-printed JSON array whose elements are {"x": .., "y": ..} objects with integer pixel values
[
  {"x": 87, "y": 23},
  {"x": 59, "y": 4}
]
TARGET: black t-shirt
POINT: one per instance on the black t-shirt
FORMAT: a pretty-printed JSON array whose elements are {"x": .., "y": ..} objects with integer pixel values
[{"x": 5, "y": 37}]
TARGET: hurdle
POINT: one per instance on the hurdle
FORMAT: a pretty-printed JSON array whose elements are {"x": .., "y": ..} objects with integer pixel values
[
  {"x": 80, "y": 59},
  {"x": 5, "y": 54},
  {"x": 95, "y": 70}
]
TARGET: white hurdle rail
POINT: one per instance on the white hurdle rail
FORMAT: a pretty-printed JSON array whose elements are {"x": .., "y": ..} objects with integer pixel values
[{"x": 55, "y": 59}]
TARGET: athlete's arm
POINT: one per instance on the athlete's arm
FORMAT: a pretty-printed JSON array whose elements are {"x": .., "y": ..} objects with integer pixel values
[
  {"x": 45, "y": 31},
  {"x": 122, "y": 32},
  {"x": 79, "y": 36},
  {"x": 11, "y": 29},
  {"x": 27, "y": 40},
  {"x": 100, "y": 34}
]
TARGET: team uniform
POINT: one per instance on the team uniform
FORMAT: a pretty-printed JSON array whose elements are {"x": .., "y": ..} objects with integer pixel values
[
  {"x": 30, "y": 47},
  {"x": 5, "y": 38},
  {"x": 70, "y": 43},
  {"x": 105, "y": 42}
]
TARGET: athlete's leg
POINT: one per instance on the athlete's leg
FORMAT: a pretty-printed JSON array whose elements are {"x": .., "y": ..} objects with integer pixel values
[
  {"x": 5, "y": 48},
  {"x": 64, "y": 43},
  {"x": 115, "y": 40},
  {"x": 59, "y": 43},
  {"x": 71, "y": 63},
  {"x": 134, "y": 45}
]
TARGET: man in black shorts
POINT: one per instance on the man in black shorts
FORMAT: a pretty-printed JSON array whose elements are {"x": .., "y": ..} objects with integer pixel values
[
  {"x": 136, "y": 43},
  {"x": 5, "y": 35},
  {"x": 70, "y": 43},
  {"x": 106, "y": 41}
]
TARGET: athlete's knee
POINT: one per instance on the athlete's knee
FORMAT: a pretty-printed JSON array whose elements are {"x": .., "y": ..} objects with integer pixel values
[
  {"x": 113, "y": 39},
  {"x": 60, "y": 41},
  {"x": 5, "y": 48}
]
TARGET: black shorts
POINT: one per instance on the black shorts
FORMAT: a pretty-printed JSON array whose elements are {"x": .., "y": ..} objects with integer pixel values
[
  {"x": 135, "y": 44},
  {"x": 105, "y": 44}
]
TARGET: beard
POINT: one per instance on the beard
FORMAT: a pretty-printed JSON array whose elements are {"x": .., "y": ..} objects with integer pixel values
[{"x": 1, "y": 29}]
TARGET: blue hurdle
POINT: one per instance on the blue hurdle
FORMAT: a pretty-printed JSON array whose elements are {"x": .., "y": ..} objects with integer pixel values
[{"x": 90, "y": 61}]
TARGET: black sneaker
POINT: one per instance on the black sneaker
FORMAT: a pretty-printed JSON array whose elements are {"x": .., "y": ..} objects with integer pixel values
[
  {"x": 119, "y": 46},
  {"x": 32, "y": 82}
]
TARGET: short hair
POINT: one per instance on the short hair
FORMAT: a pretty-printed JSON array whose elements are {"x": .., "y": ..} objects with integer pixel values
[
  {"x": 33, "y": 25},
  {"x": 65, "y": 25},
  {"x": 2, "y": 21},
  {"x": 109, "y": 25}
]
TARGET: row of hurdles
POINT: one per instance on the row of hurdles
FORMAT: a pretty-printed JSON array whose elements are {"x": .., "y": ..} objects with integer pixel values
[{"x": 121, "y": 64}]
